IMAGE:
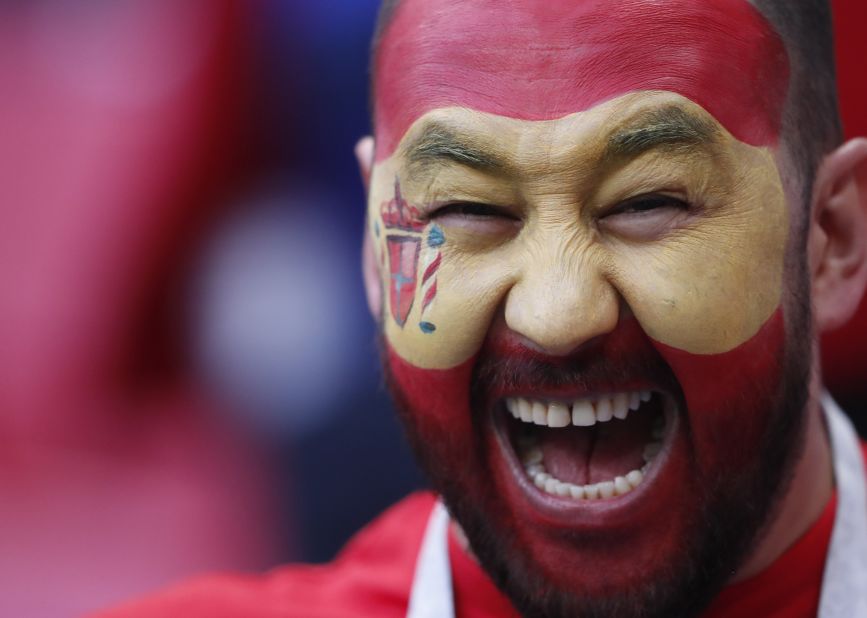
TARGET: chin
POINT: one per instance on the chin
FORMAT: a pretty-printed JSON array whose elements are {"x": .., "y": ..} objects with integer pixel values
[{"x": 631, "y": 480}]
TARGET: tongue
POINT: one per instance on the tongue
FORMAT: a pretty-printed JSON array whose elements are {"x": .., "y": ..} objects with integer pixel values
[{"x": 586, "y": 455}]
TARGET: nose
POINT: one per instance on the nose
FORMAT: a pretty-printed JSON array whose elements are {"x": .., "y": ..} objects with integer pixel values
[{"x": 560, "y": 302}]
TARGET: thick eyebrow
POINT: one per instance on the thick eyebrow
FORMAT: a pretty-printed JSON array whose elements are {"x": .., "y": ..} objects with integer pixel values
[
  {"x": 438, "y": 144},
  {"x": 669, "y": 127}
]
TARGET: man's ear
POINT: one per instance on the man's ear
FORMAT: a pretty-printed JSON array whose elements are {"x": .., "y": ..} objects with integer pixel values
[
  {"x": 364, "y": 150},
  {"x": 370, "y": 272},
  {"x": 838, "y": 235}
]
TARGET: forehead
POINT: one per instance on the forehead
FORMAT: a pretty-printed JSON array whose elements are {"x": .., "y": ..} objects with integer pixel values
[{"x": 533, "y": 60}]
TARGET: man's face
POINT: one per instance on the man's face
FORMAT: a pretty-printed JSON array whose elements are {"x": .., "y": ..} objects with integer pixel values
[{"x": 582, "y": 236}]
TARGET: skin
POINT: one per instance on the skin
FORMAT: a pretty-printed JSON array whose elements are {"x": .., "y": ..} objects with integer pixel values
[
  {"x": 657, "y": 261},
  {"x": 564, "y": 266},
  {"x": 521, "y": 60}
]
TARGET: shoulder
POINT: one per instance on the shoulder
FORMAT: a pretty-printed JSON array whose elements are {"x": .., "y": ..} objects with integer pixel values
[{"x": 371, "y": 576}]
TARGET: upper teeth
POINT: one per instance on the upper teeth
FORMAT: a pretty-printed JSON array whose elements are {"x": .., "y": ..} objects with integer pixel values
[{"x": 583, "y": 412}]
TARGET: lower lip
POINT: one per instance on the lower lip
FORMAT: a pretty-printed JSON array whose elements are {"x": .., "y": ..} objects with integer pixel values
[{"x": 659, "y": 485}]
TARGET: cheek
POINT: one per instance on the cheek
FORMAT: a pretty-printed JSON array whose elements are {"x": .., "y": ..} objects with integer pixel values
[
  {"x": 702, "y": 297},
  {"x": 438, "y": 300},
  {"x": 712, "y": 284},
  {"x": 451, "y": 307},
  {"x": 437, "y": 402},
  {"x": 730, "y": 397}
]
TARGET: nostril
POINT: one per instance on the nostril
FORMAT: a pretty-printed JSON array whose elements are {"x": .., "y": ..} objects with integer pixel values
[
  {"x": 568, "y": 350},
  {"x": 508, "y": 343}
]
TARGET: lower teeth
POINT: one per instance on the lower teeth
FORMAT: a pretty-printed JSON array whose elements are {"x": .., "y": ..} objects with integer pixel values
[
  {"x": 607, "y": 489},
  {"x": 533, "y": 460}
]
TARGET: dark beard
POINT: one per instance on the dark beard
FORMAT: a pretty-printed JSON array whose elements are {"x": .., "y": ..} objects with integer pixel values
[{"x": 730, "y": 518}]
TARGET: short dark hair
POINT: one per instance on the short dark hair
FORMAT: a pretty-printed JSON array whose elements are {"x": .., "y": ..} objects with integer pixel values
[{"x": 811, "y": 120}]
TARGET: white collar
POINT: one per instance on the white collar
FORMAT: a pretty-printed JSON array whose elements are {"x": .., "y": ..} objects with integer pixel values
[
  {"x": 431, "y": 595},
  {"x": 844, "y": 584}
]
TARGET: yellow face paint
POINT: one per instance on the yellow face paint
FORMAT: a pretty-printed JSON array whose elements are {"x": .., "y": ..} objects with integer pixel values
[{"x": 565, "y": 255}]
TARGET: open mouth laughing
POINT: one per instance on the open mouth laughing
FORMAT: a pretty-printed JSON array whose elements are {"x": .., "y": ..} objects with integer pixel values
[{"x": 594, "y": 448}]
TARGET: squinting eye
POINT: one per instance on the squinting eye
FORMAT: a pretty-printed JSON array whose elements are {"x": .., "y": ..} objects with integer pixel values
[
  {"x": 470, "y": 209},
  {"x": 476, "y": 218},
  {"x": 646, "y": 203},
  {"x": 645, "y": 217}
]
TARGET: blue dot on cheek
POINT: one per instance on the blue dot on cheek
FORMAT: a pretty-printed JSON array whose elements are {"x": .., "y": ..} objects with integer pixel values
[
  {"x": 435, "y": 237},
  {"x": 427, "y": 327}
]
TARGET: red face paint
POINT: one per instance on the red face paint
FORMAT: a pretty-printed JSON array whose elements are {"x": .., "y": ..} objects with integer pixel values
[
  {"x": 708, "y": 379},
  {"x": 535, "y": 60},
  {"x": 596, "y": 546}
]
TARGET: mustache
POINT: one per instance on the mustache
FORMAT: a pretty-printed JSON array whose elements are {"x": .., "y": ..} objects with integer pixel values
[{"x": 622, "y": 358}]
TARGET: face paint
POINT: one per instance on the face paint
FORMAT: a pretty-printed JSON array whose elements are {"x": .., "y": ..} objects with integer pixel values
[
  {"x": 567, "y": 275},
  {"x": 598, "y": 560},
  {"x": 676, "y": 285},
  {"x": 406, "y": 234},
  {"x": 544, "y": 60}
]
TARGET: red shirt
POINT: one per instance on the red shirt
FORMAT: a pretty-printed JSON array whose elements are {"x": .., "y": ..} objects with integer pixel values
[
  {"x": 789, "y": 588},
  {"x": 373, "y": 575}
]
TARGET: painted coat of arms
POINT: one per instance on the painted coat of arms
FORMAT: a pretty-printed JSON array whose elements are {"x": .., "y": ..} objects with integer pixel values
[{"x": 403, "y": 240}]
